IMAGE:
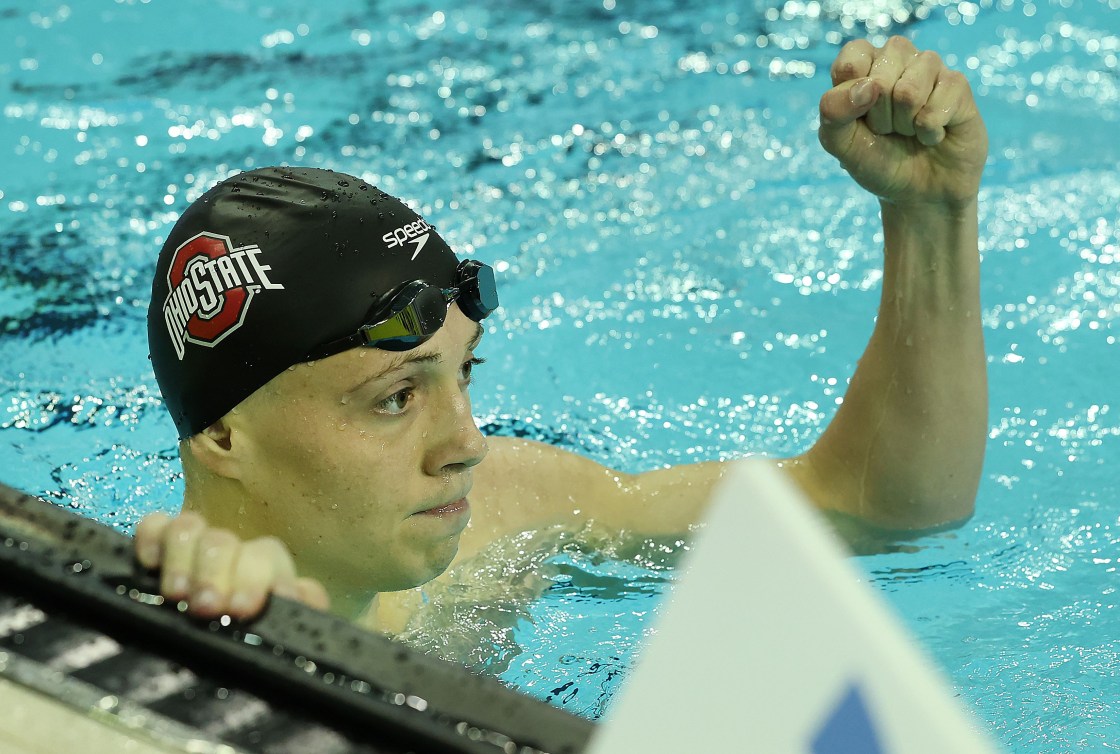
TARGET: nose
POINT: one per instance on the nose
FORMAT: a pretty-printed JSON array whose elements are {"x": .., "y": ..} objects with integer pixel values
[{"x": 460, "y": 444}]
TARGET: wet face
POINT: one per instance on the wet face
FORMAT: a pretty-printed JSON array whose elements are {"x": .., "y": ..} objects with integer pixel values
[{"x": 361, "y": 462}]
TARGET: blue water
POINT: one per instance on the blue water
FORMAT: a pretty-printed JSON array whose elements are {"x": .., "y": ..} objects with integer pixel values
[{"x": 686, "y": 275}]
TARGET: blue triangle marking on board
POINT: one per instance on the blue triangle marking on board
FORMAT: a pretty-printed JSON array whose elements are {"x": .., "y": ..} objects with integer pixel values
[{"x": 848, "y": 730}]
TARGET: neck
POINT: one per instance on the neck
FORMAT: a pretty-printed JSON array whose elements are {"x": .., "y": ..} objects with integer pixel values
[{"x": 355, "y": 605}]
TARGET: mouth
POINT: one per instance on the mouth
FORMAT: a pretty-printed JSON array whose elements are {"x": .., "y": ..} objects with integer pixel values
[{"x": 454, "y": 508}]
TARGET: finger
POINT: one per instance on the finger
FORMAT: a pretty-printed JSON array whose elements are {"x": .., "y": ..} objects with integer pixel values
[
  {"x": 262, "y": 564},
  {"x": 889, "y": 64},
  {"x": 148, "y": 540},
  {"x": 913, "y": 89},
  {"x": 313, "y": 594},
  {"x": 178, "y": 554},
  {"x": 853, "y": 61},
  {"x": 213, "y": 572},
  {"x": 841, "y": 108},
  {"x": 950, "y": 104}
]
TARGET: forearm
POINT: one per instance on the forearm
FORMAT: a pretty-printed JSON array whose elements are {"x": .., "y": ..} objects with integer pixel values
[{"x": 906, "y": 447}]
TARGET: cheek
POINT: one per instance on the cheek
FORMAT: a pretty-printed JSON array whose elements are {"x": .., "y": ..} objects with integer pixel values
[
  {"x": 341, "y": 469},
  {"x": 293, "y": 463}
]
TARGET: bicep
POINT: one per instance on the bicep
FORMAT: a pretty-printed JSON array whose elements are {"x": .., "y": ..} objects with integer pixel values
[{"x": 527, "y": 485}]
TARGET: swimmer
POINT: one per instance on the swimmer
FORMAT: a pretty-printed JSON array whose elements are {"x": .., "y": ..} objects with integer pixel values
[{"x": 315, "y": 341}]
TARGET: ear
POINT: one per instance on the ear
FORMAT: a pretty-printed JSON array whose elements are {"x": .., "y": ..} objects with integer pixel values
[{"x": 214, "y": 449}]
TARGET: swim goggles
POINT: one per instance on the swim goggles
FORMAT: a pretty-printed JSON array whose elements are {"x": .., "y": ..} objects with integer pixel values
[{"x": 414, "y": 312}]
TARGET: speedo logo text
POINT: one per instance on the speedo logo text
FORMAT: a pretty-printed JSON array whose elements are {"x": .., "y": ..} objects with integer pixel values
[{"x": 415, "y": 233}]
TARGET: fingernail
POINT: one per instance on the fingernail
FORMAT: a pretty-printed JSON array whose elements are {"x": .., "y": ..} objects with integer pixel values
[
  {"x": 207, "y": 598},
  {"x": 861, "y": 93},
  {"x": 180, "y": 585},
  {"x": 240, "y": 602}
]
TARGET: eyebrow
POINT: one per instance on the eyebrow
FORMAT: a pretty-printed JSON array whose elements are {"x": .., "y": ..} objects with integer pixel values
[
  {"x": 478, "y": 333},
  {"x": 418, "y": 356}
]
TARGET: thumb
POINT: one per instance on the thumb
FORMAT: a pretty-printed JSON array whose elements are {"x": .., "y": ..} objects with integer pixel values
[
  {"x": 841, "y": 107},
  {"x": 313, "y": 594}
]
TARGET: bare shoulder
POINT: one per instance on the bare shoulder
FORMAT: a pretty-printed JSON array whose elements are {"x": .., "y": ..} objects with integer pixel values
[
  {"x": 518, "y": 460},
  {"x": 524, "y": 484}
]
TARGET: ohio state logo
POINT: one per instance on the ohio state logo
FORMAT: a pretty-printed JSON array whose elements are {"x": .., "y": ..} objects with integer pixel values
[{"x": 210, "y": 287}]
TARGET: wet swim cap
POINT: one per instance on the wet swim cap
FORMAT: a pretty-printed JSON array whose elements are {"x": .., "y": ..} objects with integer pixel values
[{"x": 267, "y": 266}]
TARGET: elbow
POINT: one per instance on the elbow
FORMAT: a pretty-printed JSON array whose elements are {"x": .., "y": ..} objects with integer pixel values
[
  {"x": 900, "y": 497},
  {"x": 921, "y": 505}
]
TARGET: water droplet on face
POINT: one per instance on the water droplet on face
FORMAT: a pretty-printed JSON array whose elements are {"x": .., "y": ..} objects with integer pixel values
[{"x": 334, "y": 506}]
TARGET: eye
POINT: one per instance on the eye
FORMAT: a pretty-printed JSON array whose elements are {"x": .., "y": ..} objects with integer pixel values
[
  {"x": 396, "y": 403},
  {"x": 466, "y": 371}
]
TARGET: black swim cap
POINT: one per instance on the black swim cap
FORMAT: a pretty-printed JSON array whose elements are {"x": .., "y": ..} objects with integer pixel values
[{"x": 267, "y": 266}]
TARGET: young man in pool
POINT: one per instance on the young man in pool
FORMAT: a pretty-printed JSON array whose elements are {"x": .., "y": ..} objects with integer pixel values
[{"x": 303, "y": 338}]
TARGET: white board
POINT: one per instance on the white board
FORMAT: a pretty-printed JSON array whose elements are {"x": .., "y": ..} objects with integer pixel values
[{"x": 771, "y": 645}]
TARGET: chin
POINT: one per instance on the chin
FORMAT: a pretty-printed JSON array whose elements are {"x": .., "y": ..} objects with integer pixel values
[
  {"x": 431, "y": 565},
  {"x": 442, "y": 560}
]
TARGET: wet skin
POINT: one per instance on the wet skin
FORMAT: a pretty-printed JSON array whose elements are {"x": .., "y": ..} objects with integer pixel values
[
  {"x": 328, "y": 469},
  {"x": 360, "y": 463}
]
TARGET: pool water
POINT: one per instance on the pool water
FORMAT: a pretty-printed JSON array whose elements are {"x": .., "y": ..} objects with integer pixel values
[{"x": 685, "y": 276}]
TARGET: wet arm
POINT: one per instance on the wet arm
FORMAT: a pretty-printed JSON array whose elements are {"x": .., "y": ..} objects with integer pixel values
[
  {"x": 527, "y": 485},
  {"x": 905, "y": 448},
  {"x": 903, "y": 452}
]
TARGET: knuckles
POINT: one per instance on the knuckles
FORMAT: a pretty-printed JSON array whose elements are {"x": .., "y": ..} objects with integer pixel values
[
  {"x": 183, "y": 528},
  {"x": 205, "y": 565},
  {"x": 269, "y": 547},
  {"x": 857, "y": 47},
  {"x": 214, "y": 542},
  {"x": 853, "y": 61},
  {"x": 151, "y": 525},
  {"x": 954, "y": 78},
  {"x": 909, "y": 96},
  {"x": 930, "y": 58},
  {"x": 844, "y": 70},
  {"x": 899, "y": 42}
]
